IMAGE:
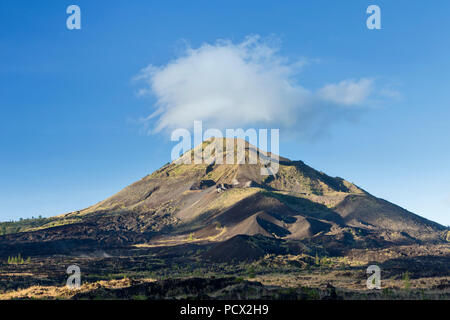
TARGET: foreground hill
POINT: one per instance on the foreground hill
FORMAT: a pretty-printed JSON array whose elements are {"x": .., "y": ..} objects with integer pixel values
[{"x": 213, "y": 203}]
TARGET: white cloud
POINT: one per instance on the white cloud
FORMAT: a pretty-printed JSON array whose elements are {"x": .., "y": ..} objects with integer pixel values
[
  {"x": 347, "y": 92},
  {"x": 248, "y": 84}
]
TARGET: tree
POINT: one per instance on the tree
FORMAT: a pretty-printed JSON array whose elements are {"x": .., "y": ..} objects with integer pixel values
[
  {"x": 251, "y": 272},
  {"x": 317, "y": 260},
  {"x": 406, "y": 280}
]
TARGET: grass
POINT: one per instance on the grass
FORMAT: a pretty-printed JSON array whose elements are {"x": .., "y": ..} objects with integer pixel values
[
  {"x": 55, "y": 223},
  {"x": 230, "y": 197}
]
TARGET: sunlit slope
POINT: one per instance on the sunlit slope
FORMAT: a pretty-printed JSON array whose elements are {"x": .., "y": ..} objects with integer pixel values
[{"x": 212, "y": 201}]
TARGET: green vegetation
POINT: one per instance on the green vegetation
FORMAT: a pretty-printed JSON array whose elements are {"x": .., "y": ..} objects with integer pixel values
[
  {"x": 311, "y": 293},
  {"x": 251, "y": 272},
  {"x": 230, "y": 197},
  {"x": 55, "y": 223},
  {"x": 33, "y": 224},
  {"x": 21, "y": 225},
  {"x": 406, "y": 280},
  {"x": 18, "y": 260},
  {"x": 289, "y": 175}
]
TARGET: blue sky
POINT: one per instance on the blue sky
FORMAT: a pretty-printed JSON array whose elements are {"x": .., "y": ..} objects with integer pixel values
[{"x": 69, "y": 129}]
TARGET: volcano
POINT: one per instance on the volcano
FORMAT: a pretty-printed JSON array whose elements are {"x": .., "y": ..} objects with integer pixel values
[{"x": 226, "y": 205}]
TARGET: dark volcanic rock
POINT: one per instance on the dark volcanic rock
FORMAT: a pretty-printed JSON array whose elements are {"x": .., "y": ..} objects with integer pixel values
[
  {"x": 248, "y": 248},
  {"x": 202, "y": 184}
]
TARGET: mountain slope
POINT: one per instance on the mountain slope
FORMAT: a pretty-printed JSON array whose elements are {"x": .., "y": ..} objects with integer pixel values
[{"x": 212, "y": 202}]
